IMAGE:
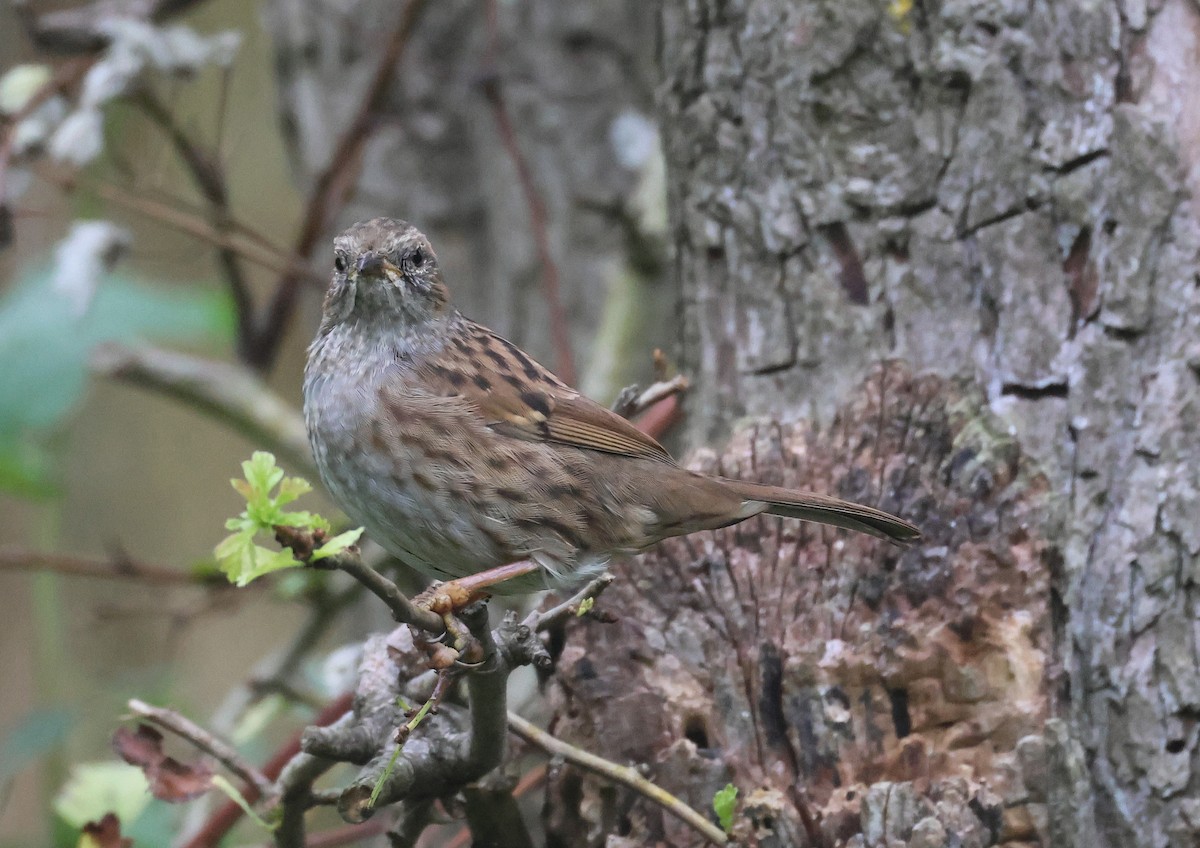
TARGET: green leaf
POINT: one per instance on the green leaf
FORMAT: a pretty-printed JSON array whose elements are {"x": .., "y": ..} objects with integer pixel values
[
  {"x": 724, "y": 803},
  {"x": 292, "y": 488},
  {"x": 94, "y": 789},
  {"x": 262, "y": 474},
  {"x": 303, "y": 520},
  {"x": 338, "y": 543},
  {"x": 238, "y": 555},
  {"x": 219, "y": 782},
  {"x": 242, "y": 560},
  {"x": 33, "y": 737},
  {"x": 585, "y": 606},
  {"x": 45, "y": 345}
]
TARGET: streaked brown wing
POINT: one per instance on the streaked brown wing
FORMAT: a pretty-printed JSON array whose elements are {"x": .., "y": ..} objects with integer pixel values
[{"x": 521, "y": 398}]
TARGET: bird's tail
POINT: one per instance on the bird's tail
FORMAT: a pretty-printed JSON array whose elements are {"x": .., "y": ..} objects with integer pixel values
[{"x": 809, "y": 506}]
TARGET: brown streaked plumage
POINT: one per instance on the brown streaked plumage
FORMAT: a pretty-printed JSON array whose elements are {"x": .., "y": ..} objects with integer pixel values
[{"x": 460, "y": 453}]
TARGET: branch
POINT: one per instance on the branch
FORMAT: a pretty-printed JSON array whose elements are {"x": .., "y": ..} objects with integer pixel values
[
  {"x": 403, "y": 610},
  {"x": 226, "y": 392},
  {"x": 493, "y": 92},
  {"x": 227, "y": 815},
  {"x": 295, "y": 792},
  {"x": 240, "y": 238},
  {"x": 117, "y": 567},
  {"x": 207, "y": 742},
  {"x": 623, "y": 775},
  {"x": 335, "y": 183},
  {"x": 209, "y": 177},
  {"x": 65, "y": 77},
  {"x": 438, "y": 755},
  {"x": 633, "y": 401},
  {"x": 539, "y": 621}
]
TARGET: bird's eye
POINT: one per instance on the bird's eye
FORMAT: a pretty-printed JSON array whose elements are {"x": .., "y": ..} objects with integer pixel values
[
  {"x": 339, "y": 263},
  {"x": 417, "y": 258}
]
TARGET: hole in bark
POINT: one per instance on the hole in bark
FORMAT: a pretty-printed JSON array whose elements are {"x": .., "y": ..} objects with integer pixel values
[
  {"x": 584, "y": 669},
  {"x": 992, "y": 817},
  {"x": 900, "y": 716},
  {"x": 964, "y": 627},
  {"x": 1053, "y": 390},
  {"x": 852, "y": 277},
  {"x": 1083, "y": 280},
  {"x": 1124, "y": 334},
  {"x": 713, "y": 253},
  {"x": 695, "y": 730},
  {"x": 1174, "y": 746}
]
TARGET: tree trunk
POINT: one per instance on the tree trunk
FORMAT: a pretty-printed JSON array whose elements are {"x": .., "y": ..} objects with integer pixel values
[{"x": 1001, "y": 196}]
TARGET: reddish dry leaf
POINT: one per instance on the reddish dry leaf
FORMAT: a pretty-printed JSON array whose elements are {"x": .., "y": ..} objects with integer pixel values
[
  {"x": 105, "y": 833},
  {"x": 170, "y": 780}
]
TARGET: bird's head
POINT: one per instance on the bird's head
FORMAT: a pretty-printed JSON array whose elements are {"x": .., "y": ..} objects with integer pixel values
[{"x": 384, "y": 269}]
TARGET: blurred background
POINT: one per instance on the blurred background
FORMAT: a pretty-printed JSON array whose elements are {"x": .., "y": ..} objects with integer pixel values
[{"x": 220, "y": 117}]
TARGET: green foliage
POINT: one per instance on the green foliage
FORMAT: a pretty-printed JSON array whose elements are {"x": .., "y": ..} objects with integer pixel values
[
  {"x": 223, "y": 785},
  {"x": 239, "y": 556},
  {"x": 44, "y": 345},
  {"x": 102, "y": 787},
  {"x": 585, "y": 606},
  {"x": 724, "y": 803},
  {"x": 96, "y": 788}
]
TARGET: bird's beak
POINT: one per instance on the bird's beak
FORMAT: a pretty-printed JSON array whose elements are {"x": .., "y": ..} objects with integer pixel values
[
  {"x": 375, "y": 265},
  {"x": 370, "y": 265}
]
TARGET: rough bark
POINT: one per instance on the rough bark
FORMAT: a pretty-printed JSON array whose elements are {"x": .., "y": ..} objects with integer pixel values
[{"x": 999, "y": 193}]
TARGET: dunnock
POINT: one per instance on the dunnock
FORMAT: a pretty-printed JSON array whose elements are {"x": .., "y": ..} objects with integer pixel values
[{"x": 460, "y": 453}]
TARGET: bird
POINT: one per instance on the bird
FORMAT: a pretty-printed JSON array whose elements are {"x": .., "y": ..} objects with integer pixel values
[{"x": 459, "y": 452}]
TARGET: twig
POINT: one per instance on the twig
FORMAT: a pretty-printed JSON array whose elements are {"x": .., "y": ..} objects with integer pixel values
[
  {"x": 335, "y": 182},
  {"x": 209, "y": 176},
  {"x": 240, "y": 238},
  {"x": 541, "y": 621},
  {"x": 531, "y": 779},
  {"x": 347, "y": 834},
  {"x": 295, "y": 785},
  {"x": 660, "y": 417},
  {"x": 117, "y": 567},
  {"x": 227, "y": 392},
  {"x": 414, "y": 818},
  {"x": 493, "y": 91},
  {"x": 659, "y": 391},
  {"x": 227, "y": 815},
  {"x": 403, "y": 610},
  {"x": 66, "y": 76},
  {"x": 624, "y": 775},
  {"x": 225, "y": 753}
]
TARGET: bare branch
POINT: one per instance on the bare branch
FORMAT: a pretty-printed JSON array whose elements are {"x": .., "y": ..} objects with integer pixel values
[
  {"x": 493, "y": 91},
  {"x": 64, "y": 78},
  {"x": 624, "y": 775},
  {"x": 240, "y": 238},
  {"x": 225, "y": 753},
  {"x": 404, "y": 611},
  {"x": 227, "y": 815},
  {"x": 336, "y": 182},
  {"x": 209, "y": 176},
  {"x": 539, "y": 621},
  {"x": 118, "y": 567},
  {"x": 227, "y": 392}
]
